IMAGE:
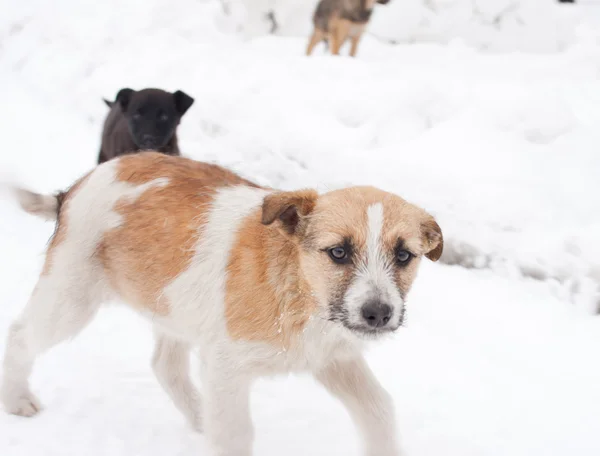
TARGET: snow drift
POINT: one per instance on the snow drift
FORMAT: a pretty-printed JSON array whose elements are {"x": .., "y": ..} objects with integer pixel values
[{"x": 495, "y": 25}]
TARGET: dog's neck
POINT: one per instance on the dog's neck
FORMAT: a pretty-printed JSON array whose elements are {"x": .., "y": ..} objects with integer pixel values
[
  {"x": 367, "y": 5},
  {"x": 362, "y": 12},
  {"x": 264, "y": 269}
]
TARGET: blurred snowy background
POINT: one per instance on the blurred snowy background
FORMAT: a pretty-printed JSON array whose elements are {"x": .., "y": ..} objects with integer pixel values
[{"x": 485, "y": 112}]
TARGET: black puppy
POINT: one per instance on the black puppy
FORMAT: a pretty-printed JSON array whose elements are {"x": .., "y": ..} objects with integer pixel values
[{"x": 143, "y": 120}]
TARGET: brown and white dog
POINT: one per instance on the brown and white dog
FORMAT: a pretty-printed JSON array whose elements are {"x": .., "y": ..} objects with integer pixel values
[
  {"x": 261, "y": 281},
  {"x": 336, "y": 21}
]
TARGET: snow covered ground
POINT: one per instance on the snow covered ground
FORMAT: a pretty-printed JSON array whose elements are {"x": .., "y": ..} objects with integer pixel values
[{"x": 500, "y": 355}]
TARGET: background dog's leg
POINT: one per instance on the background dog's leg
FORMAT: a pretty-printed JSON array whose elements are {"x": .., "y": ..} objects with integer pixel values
[
  {"x": 339, "y": 35},
  {"x": 370, "y": 406},
  {"x": 171, "y": 364},
  {"x": 354, "y": 40},
  {"x": 315, "y": 39},
  {"x": 227, "y": 422},
  {"x": 61, "y": 305},
  {"x": 335, "y": 44}
]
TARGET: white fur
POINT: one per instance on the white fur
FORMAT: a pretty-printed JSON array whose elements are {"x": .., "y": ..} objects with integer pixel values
[
  {"x": 374, "y": 278},
  {"x": 66, "y": 299},
  {"x": 41, "y": 205}
]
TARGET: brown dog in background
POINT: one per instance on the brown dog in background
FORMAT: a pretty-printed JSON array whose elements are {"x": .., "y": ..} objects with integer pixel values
[{"x": 337, "y": 20}]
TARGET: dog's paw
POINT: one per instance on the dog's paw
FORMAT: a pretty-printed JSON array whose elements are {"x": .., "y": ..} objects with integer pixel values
[
  {"x": 196, "y": 422},
  {"x": 25, "y": 404}
]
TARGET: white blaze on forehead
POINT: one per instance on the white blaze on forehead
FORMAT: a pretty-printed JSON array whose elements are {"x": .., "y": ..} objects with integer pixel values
[
  {"x": 376, "y": 264},
  {"x": 374, "y": 277}
]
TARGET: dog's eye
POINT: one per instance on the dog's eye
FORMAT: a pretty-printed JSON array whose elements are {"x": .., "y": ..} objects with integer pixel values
[
  {"x": 338, "y": 254},
  {"x": 163, "y": 117},
  {"x": 403, "y": 256},
  {"x": 137, "y": 115}
]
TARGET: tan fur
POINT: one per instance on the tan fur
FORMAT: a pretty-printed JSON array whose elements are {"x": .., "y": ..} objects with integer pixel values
[
  {"x": 62, "y": 225},
  {"x": 315, "y": 39},
  {"x": 275, "y": 276},
  {"x": 45, "y": 206},
  {"x": 355, "y": 36},
  {"x": 433, "y": 239},
  {"x": 289, "y": 207},
  {"x": 339, "y": 33},
  {"x": 341, "y": 215},
  {"x": 156, "y": 240},
  {"x": 267, "y": 297}
]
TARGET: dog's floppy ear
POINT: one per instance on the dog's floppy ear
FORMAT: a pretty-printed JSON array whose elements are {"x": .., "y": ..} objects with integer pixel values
[
  {"x": 289, "y": 208},
  {"x": 433, "y": 240},
  {"x": 124, "y": 97},
  {"x": 182, "y": 102}
]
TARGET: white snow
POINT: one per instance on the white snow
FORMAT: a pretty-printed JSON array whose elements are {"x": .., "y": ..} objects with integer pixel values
[
  {"x": 499, "y": 25},
  {"x": 500, "y": 355}
]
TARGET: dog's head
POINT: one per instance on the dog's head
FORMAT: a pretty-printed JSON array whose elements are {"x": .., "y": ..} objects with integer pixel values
[
  {"x": 152, "y": 114},
  {"x": 360, "y": 249}
]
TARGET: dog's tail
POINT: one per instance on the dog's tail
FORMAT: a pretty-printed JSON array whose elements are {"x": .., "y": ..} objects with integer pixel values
[
  {"x": 44, "y": 206},
  {"x": 108, "y": 103}
]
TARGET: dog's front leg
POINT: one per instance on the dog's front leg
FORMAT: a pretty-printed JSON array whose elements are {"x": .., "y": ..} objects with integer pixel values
[
  {"x": 228, "y": 425},
  {"x": 369, "y": 405}
]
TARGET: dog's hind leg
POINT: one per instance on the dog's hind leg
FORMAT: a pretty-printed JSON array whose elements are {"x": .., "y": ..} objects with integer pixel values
[
  {"x": 339, "y": 35},
  {"x": 354, "y": 40},
  {"x": 63, "y": 302},
  {"x": 315, "y": 39},
  {"x": 171, "y": 364}
]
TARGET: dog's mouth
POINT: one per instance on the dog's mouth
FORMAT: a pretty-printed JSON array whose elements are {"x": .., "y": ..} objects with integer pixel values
[
  {"x": 363, "y": 327},
  {"x": 364, "y": 331},
  {"x": 369, "y": 333},
  {"x": 151, "y": 143}
]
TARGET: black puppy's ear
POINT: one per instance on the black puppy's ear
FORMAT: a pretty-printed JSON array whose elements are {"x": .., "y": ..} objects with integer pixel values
[
  {"x": 123, "y": 97},
  {"x": 182, "y": 102}
]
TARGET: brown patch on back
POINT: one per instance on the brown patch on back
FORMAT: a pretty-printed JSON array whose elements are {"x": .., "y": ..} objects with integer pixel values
[
  {"x": 155, "y": 242},
  {"x": 266, "y": 299},
  {"x": 144, "y": 167},
  {"x": 62, "y": 222}
]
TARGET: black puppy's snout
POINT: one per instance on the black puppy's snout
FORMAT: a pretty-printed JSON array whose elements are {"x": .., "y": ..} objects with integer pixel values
[
  {"x": 376, "y": 313},
  {"x": 149, "y": 141}
]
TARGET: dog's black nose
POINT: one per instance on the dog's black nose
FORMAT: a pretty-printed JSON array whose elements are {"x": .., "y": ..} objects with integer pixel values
[
  {"x": 376, "y": 313},
  {"x": 148, "y": 140}
]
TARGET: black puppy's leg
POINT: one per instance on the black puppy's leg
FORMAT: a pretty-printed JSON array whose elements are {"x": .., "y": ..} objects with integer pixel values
[{"x": 101, "y": 158}]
